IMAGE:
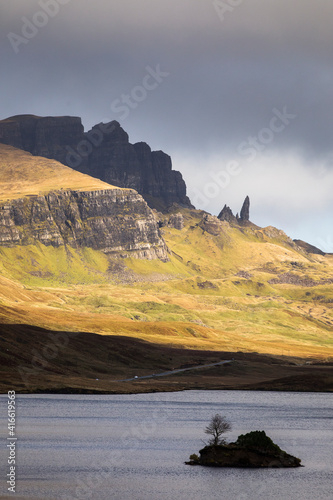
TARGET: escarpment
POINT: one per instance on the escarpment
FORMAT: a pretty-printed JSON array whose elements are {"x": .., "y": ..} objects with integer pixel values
[
  {"x": 104, "y": 152},
  {"x": 115, "y": 221}
]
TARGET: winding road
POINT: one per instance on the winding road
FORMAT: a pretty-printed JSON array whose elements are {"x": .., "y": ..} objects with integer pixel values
[{"x": 172, "y": 372}]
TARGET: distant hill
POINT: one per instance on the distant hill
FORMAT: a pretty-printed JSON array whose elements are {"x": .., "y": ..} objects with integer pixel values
[{"x": 309, "y": 248}]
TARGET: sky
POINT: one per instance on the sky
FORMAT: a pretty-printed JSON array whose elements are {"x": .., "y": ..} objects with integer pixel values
[{"x": 238, "y": 92}]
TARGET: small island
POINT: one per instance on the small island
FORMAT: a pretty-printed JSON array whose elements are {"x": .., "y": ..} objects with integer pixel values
[{"x": 251, "y": 450}]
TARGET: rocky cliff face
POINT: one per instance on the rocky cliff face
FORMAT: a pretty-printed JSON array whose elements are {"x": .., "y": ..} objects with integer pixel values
[
  {"x": 115, "y": 221},
  {"x": 42, "y": 136},
  {"x": 104, "y": 152}
]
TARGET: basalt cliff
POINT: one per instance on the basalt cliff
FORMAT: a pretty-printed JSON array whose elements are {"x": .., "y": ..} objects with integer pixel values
[
  {"x": 104, "y": 152},
  {"x": 115, "y": 221}
]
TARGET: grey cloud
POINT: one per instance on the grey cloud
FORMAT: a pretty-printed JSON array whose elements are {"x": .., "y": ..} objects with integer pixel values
[{"x": 225, "y": 77}]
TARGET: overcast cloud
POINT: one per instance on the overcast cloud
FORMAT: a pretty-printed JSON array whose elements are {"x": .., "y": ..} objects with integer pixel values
[{"x": 225, "y": 77}]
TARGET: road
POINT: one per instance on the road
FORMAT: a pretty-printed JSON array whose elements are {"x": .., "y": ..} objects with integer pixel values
[{"x": 172, "y": 372}]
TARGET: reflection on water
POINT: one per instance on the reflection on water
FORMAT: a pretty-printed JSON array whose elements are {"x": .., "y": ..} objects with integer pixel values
[{"x": 133, "y": 447}]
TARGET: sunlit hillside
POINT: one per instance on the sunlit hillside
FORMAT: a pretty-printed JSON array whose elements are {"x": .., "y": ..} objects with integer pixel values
[
  {"x": 231, "y": 292},
  {"x": 22, "y": 174},
  {"x": 242, "y": 289}
]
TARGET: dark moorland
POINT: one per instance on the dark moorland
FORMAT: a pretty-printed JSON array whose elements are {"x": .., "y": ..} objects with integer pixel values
[{"x": 34, "y": 360}]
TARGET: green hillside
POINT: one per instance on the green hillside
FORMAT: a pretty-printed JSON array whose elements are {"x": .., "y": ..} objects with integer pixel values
[{"x": 240, "y": 288}]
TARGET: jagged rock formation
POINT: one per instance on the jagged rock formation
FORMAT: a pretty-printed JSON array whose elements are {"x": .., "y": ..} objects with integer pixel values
[
  {"x": 227, "y": 215},
  {"x": 245, "y": 211},
  {"x": 115, "y": 221},
  {"x": 104, "y": 152}
]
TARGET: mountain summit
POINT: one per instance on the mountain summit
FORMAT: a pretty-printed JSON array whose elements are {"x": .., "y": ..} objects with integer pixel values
[
  {"x": 245, "y": 211},
  {"x": 104, "y": 152}
]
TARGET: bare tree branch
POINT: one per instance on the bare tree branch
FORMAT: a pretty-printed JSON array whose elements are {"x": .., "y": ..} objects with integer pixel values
[{"x": 217, "y": 426}]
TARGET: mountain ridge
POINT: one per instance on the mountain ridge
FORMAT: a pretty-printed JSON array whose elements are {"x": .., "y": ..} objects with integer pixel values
[{"x": 103, "y": 152}]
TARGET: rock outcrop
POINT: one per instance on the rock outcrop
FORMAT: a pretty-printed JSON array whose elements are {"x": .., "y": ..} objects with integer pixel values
[
  {"x": 176, "y": 221},
  {"x": 237, "y": 456},
  {"x": 251, "y": 450},
  {"x": 115, "y": 221},
  {"x": 211, "y": 224},
  {"x": 227, "y": 215},
  {"x": 51, "y": 137},
  {"x": 104, "y": 152},
  {"x": 245, "y": 211}
]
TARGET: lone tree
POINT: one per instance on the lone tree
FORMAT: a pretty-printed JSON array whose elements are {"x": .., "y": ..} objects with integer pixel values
[{"x": 217, "y": 426}]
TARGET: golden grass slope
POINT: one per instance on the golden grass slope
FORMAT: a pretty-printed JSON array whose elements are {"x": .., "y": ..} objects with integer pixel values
[
  {"x": 215, "y": 293},
  {"x": 22, "y": 174},
  {"x": 244, "y": 289}
]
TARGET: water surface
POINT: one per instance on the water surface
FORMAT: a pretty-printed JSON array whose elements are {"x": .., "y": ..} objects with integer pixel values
[{"x": 133, "y": 447}]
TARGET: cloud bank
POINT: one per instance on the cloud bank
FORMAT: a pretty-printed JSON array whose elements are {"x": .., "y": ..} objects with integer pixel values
[{"x": 229, "y": 64}]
